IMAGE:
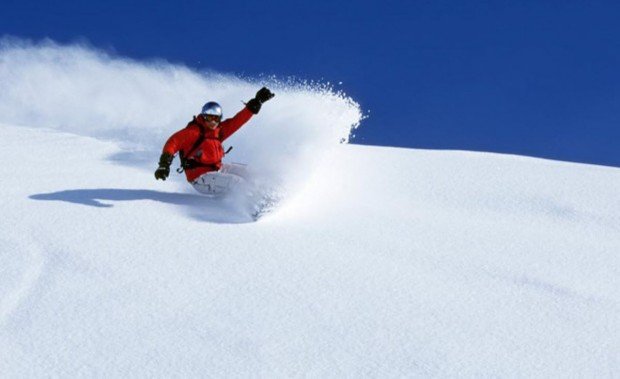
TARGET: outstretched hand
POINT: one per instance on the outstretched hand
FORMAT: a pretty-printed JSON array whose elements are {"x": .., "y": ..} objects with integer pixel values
[{"x": 264, "y": 94}]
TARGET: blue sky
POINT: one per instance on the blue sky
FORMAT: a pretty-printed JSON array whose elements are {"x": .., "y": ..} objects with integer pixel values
[{"x": 536, "y": 78}]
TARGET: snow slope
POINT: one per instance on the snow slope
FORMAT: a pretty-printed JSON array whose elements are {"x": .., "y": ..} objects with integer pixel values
[{"x": 378, "y": 262}]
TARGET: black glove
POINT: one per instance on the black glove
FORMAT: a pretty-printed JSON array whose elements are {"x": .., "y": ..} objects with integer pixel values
[
  {"x": 163, "y": 170},
  {"x": 263, "y": 94}
]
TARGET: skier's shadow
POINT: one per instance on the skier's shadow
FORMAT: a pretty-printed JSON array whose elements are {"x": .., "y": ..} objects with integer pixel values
[{"x": 198, "y": 207}]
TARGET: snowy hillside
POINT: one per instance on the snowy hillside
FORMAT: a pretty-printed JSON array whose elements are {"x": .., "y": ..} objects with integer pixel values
[{"x": 378, "y": 262}]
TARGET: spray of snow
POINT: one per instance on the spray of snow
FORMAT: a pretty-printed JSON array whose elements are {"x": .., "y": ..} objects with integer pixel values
[{"x": 89, "y": 92}]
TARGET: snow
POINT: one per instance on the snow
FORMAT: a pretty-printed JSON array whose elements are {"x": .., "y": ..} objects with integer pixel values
[{"x": 378, "y": 262}]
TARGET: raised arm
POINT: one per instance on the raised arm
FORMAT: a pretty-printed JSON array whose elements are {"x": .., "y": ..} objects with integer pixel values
[{"x": 231, "y": 125}]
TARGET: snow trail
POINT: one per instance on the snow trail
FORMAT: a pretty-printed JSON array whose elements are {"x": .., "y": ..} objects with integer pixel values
[{"x": 21, "y": 265}]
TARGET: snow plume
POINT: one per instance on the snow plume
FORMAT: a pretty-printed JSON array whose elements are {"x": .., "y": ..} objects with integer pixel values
[{"x": 82, "y": 90}]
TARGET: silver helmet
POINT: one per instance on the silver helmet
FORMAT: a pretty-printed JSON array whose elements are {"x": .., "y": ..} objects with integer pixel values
[{"x": 212, "y": 108}]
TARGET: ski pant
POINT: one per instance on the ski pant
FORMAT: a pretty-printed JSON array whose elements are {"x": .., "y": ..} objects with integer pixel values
[{"x": 221, "y": 181}]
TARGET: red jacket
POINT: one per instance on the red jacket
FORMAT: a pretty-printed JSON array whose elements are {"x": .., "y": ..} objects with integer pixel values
[{"x": 210, "y": 152}]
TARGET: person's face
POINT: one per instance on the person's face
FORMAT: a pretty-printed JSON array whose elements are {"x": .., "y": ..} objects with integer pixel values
[{"x": 211, "y": 121}]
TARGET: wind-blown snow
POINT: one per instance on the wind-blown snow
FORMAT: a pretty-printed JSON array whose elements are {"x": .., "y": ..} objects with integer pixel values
[
  {"x": 88, "y": 92},
  {"x": 382, "y": 263}
]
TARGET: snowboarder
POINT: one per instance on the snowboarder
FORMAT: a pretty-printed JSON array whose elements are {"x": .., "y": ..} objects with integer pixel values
[{"x": 199, "y": 144}]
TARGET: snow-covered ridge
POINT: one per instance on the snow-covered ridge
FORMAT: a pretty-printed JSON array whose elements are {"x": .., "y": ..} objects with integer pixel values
[{"x": 388, "y": 263}]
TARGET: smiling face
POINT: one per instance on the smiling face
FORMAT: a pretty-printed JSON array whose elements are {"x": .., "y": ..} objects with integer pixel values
[{"x": 211, "y": 121}]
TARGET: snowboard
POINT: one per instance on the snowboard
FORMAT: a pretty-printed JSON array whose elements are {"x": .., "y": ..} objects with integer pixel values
[{"x": 257, "y": 199}]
